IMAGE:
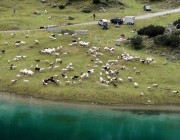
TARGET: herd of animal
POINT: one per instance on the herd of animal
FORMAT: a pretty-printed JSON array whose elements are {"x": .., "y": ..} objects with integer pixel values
[{"x": 110, "y": 71}]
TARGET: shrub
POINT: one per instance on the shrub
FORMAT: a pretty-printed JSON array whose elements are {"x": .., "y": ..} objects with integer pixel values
[
  {"x": 136, "y": 42},
  {"x": 96, "y": 1},
  {"x": 151, "y": 30},
  {"x": 155, "y": 0},
  {"x": 70, "y": 18},
  {"x": 86, "y": 11},
  {"x": 177, "y": 23},
  {"x": 175, "y": 40},
  {"x": 171, "y": 40},
  {"x": 61, "y": 6},
  {"x": 162, "y": 40}
]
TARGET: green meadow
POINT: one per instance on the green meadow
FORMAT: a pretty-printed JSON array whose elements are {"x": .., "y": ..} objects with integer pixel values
[{"x": 90, "y": 90}]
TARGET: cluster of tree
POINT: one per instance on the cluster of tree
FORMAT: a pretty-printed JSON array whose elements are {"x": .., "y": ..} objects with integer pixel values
[
  {"x": 151, "y": 30},
  {"x": 171, "y": 40}
]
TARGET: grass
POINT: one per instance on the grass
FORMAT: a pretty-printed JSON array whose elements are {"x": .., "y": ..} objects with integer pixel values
[{"x": 91, "y": 90}]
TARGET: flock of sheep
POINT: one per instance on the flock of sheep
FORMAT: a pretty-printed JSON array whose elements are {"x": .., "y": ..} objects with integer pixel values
[{"x": 109, "y": 73}]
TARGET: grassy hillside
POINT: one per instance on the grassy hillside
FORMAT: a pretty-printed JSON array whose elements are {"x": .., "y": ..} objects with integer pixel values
[
  {"x": 25, "y": 19},
  {"x": 90, "y": 90}
]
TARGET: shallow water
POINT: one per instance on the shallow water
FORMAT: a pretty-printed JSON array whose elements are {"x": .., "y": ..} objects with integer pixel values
[{"x": 30, "y": 119}]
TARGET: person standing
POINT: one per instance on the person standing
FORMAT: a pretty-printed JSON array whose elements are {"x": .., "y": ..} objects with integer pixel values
[
  {"x": 14, "y": 10},
  {"x": 94, "y": 16}
]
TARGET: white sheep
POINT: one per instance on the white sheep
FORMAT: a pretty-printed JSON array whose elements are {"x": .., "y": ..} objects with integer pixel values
[
  {"x": 135, "y": 84},
  {"x": 17, "y": 44},
  {"x": 36, "y": 41},
  {"x": 175, "y": 92},
  {"x": 23, "y": 42},
  {"x": 13, "y": 81},
  {"x": 41, "y": 69},
  {"x": 55, "y": 67},
  {"x": 66, "y": 33},
  {"x": 46, "y": 61},
  {"x": 26, "y": 81},
  {"x": 130, "y": 78},
  {"x": 18, "y": 75},
  {"x": 45, "y": 11},
  {"x": 5, "y": 43},
  {"x": 13, "y": 34},
  {"x": 50, "y": 17},
  {"x": 65, "y": 53},
  {"x": 67, "y": 82},
  {"x": 155, "y": 85}
]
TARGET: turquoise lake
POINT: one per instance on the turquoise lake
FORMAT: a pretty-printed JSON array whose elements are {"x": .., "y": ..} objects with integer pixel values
[{"x": 33, "y": 119}]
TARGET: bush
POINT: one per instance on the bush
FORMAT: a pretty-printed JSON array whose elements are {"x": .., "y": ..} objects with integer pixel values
[
  {"x": 86, "y": 11},
  {"x": 171, "y": 40},
  {"x": 151, "y": 30},
  {"x": 136, "y": 42},
  {"x": 162, "y": 40},
  {"x": 70, "y": 18},
  {"x": 61, "y": 6},
  {"x": 177, "y": 23}
]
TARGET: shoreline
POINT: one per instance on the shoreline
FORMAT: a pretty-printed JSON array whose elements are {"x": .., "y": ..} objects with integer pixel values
[{"x": 135, "y": 108}]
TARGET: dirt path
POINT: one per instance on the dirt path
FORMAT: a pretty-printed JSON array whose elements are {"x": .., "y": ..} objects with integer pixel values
[{"x": 145, "y": 16}]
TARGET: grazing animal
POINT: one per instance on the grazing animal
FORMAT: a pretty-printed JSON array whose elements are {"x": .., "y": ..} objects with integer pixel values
[
  {"x": 149, "y": 88},
  {"x": 135, "y": 84},
  {"x": 13, "y": 34},
  {"x": 50, "y": 17},
  {"x": 17, "y": 41},
  {"x": 45, "y": 82},
  {"x": 13, "y": 81},
  {"x": 138, "y": 71},
  {"x": 130, "y": 79},
  {"x": 74, "y": 77},
  {"x": 67, "y": 82},
  {"x": 37, "y": 60},
  {"x": 36, "y": 41},
  {"x": 37, "y": 69},
  {"x": 175, "y": 92},
  {"x": 155, "y": 85},
  {"x": 115, "y": 85},
  {"x": 5, "y": 43},
  {"x": 26, "y": 81},
  {"x": 12, "y": 67}
]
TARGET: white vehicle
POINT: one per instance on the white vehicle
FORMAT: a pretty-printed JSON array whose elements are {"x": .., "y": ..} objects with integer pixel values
[
  {"x": 101, "y": 21},
  {"x": 104, "y": 23},
  {"x": 130, "y": 20}
]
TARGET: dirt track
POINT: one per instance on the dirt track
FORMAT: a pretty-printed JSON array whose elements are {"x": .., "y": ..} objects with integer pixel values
[{"x": 149, "y": 15}]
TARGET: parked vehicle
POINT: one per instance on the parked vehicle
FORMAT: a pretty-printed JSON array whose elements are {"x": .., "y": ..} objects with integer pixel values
[
  {"x": 116, "y": 20},
  {"x": 101, "y": 21},
  {"x": 130, "y": 20},
  {"x": 147, "y": 8},
  {"x": 105, "y": 25}
]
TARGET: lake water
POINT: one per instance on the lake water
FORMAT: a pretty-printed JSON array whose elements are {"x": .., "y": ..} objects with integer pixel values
[{"x": 32, "y": 119}]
